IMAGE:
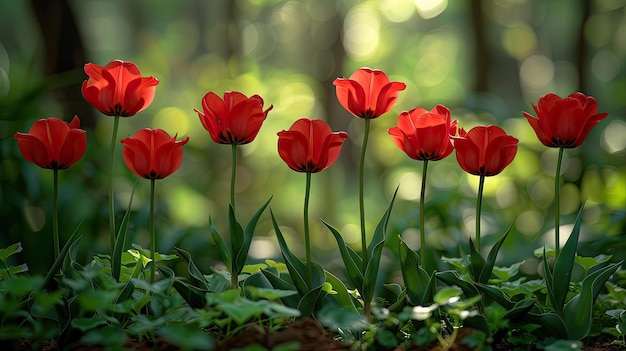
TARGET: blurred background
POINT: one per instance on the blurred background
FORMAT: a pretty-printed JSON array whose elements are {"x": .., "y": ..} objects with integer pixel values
[{"x": 487, "y": 60}]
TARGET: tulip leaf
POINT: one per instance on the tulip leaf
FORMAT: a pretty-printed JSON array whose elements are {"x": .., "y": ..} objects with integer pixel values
[
  {"x": 54, "y": 269},
  {"x": 297, "y": 269},
  {"x": 248, "y": 233},
  {"x": 10, "y": 250},
  {"x": 236, "y": 240},
  {"x": 553, "y": 325},
  {"x": 120, "y": 240},
  {"x": 416, "y": 279},
  {"x": 278, "y": 283},
  {"x": 221, "y": 245},
  {"x": 193, "y": 270},
  {"x": 485, "y": 274},
  {"x": 375, "y": 250},
  {"x": 452, "y": 278},
  {"x": 342, "y": 295},
  {"x": 564, "y": 263},
  {"x": 194, "y": 296},
  {"x": 577, "y": 313},
  {"x": 353, "y": 267},
  {"x": 477, "y": 263}
]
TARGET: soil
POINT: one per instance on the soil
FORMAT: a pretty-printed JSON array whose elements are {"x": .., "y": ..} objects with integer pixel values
[{"x": 311, "y": 336}]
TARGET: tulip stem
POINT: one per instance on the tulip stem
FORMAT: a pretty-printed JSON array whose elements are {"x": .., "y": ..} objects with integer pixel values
[
  {"x": 233, "y": 174},
  {"x": 557, "y": 200},
  {"x": 361, "y": 200},
  {"x": 479, "y": 203},
  {"x": 152, "y": 236},
  {"x": 422, "y": 229},
  {"x": 307, "y": 238},
  {"x": 111, "y": 200},
  {"x": 55, "y": 216}
]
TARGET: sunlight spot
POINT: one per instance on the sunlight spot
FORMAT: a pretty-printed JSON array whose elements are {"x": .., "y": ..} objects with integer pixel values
[
  {"x": 250, "y": 38},
  {"x": 410, "y": 186},
  {"x": 536, "y": 71},
  {"x": 397, "y": 10},
  {"x": 613, "y": 138},
  {"x": 605, "y": 65},
  {"x": 519, "y": 40},
  {"x": 262, "y": 248},
  {"x": 506, "y": 194},
  {"x": 361, "y": 32},
  {"x": 173, "y": 120},
  {"x": 351, "y": 234},
  {"x": 35, "y": 217},
  {"x": 529, "y": 222},
  {"x": 430, "y": 8}
]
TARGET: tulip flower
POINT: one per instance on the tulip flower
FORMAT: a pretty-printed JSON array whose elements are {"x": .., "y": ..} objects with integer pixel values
[
  {"x": 118, "y": 90},
  {"x": 368, "y": 93},
  {"x": 563, "y": 123},
  {"x": 153, "y": 154},
  {"x": 424, "y": 135},
  {"x": 53, "y": 144},
  {"x": 484, "y": 151},
  {"x": 234, "y": 119},
  {"x": 309, "y": 146}
]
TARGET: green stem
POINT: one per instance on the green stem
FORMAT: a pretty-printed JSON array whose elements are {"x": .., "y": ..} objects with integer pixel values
[
  {"x": 55, "y": 216},
  {"x": 307, "y": 239},
  {"x": 361, "y": 200},
  {"x": 111, "y": 200},
  {"x": 422, "y": 229},
  {"x": 233, "y": 174},
  {"x": 152, "y": 236},
  {"x": 479, "y": 203},
  {"x": 557, "y": 200}
]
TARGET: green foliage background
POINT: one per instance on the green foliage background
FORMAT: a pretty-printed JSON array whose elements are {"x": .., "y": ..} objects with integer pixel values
[{"x": 486, "y": 60}]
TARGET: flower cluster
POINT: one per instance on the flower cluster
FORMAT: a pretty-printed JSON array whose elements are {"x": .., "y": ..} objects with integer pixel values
[{"x": 310, "y": 146}]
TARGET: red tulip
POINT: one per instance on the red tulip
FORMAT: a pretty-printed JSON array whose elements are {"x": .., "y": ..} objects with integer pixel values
[
  {"x": 368, "y": 93},
  {"x": 484, "y": 150},
  {"x": 564, "y": 122},
  {"x": 118, "y": 89},
  {"x": 310, "y": 145},
  {"x": 235, "y": 119},
  {"x": 53, "y": 143},
  {"x": 152, "y": 153},
  {"x": 423, "y": 134}
]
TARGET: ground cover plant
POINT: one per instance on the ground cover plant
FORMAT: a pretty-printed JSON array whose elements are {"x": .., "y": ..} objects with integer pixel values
[{"x": 131, "y": 298}]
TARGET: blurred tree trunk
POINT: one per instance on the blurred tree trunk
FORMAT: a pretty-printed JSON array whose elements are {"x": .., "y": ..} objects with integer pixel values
[
  {"x": 581, "y": 50},
  {"x": 63, "y": 58},
  {"x": 481, "y": 52}
]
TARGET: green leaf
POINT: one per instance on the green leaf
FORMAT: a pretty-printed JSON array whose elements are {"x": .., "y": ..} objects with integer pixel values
[
  {"x": 297, "y": 269},
  {"x": 278, "y": 283},
  {"x": 59, "y": 261},
  {"x": 194, "y": 296},
  {"x": 193, "y": 270},
  {"x": 553, "y": 325},
  {"x": 485, "y": 273},
  {"x": 342, "y": 295},
  {"x": 564, "y": 263},
  {"x": 120, "y": 241},
  {"x": 221, "y": 245},
  {"x": 477, "y": 263},
  {"x": 549, "y": 280},
  {"x": 248, "y": 233},
  {"x": 452, "y": 278},
  {"x": 10, "y": 250},
  {"x": 187, "y": 337},
  {"x": 416, "y": 279},
  {"x": 236, "y": 240},
  {"x": 589, "y": 262},
  {"x": 447, "y": 295},
  {"x": 353, "y": 267},
  {"x": 577, "y": 314},
  {"x": 84, "y": 324},
  {"x": 375, "y": 250}
]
